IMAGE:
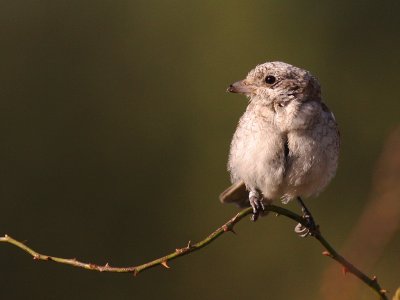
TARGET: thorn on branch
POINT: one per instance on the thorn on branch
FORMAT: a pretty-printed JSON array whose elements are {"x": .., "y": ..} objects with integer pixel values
[
  {"x": 165, "y": 264},
  {"x": 187, "y": 248},
  {"x": 228, "y": 227},
  {"x": 104, "y": 268},
  {"x": 326, "y": 253},
  {"x": 233, "y": 220}
]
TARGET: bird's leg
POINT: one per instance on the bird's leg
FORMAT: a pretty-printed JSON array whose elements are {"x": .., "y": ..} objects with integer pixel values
[
  {"x": 256, "y": 202},
  {"x": 311, "y": 227}
]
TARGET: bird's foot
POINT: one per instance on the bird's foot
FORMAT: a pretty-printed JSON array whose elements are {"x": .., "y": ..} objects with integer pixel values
[
  {"x": 305, "y": 230},
  {"x": 256, "y": 202},
  {"x": 311, "y": 228}
]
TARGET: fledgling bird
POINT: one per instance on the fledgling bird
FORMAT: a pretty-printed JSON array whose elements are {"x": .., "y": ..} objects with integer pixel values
[{"x": 286, "y": 144}]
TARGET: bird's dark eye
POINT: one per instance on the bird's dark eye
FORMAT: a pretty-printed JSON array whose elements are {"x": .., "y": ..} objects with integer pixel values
[{"x": 270, "y": 79}]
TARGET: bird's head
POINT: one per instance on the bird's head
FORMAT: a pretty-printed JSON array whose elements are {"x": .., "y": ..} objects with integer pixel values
[{"x": 277, "y": 83}]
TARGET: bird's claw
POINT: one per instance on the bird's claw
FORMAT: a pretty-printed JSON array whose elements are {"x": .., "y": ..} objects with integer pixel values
[
  {"x": 306, "y": 230},
  {"x": 257, "y": 204},
  {"x": 310, "y": 228},
  {"x": 301, "y": 230}
]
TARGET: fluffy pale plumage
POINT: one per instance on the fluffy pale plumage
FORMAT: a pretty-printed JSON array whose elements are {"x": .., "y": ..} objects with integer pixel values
[{"x": 286, "y": 144}]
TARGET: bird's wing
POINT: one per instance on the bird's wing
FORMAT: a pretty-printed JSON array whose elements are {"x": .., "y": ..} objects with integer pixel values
[{"x": 237, "y": 194}]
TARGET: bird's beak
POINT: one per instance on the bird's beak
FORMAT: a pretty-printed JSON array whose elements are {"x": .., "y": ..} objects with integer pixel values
[{"x": 240, "y": 87}]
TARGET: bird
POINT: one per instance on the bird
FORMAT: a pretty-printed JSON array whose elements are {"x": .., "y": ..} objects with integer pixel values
[{"x": 286, "y": 144}]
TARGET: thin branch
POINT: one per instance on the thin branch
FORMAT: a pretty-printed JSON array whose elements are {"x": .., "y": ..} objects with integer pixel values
[
  {"x": 228, "y": 226},
  {"x": 135, "y": 270}
]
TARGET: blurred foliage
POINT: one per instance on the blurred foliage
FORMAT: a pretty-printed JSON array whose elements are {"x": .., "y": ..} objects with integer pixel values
[
  {"x": 397, "y": 295},
  {"x": 116, "y": 126}
]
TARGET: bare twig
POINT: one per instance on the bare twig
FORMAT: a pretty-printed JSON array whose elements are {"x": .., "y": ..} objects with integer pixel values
[{"x": 228, "y": 226}]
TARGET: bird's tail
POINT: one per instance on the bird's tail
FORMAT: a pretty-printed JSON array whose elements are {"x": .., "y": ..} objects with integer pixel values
[{"x": 237, "y": 194}]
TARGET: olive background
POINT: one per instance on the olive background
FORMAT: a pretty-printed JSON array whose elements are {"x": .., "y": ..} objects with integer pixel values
[{"x": 115, "y": 128}]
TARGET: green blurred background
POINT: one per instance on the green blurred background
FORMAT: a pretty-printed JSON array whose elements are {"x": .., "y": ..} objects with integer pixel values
[{"x": 115, "y": 130}]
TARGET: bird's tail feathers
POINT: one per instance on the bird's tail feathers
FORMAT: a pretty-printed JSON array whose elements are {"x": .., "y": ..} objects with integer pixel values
[{"x": 237, "y": 194}]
